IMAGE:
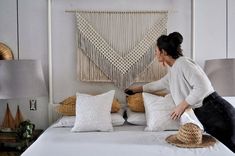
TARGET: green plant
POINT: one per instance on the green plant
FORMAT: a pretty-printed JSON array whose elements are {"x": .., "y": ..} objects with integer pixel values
[{"x": 25, "y": 130}]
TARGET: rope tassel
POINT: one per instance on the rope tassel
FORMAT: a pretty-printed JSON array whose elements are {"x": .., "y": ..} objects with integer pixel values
[{"x": 120, "y": 44}]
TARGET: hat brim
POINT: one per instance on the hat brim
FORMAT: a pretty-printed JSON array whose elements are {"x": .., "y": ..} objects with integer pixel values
[{"x": 206, "y": 141}]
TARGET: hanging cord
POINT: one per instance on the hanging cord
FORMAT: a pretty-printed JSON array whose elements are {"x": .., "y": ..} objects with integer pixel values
[{"x": 17, "y": 30}]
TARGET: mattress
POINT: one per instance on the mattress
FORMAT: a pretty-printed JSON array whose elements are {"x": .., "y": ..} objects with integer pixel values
[{"x": 127, "y": 140}]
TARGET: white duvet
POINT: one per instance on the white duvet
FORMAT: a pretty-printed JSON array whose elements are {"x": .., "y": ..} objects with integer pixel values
[{"x": 126, "y": 140}]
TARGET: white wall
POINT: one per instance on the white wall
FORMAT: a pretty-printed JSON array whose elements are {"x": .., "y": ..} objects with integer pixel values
[
  {"x": 8, "y": 28},
  {"x": 210, "y": 39},
  {"x": 210, "y": 25},
  {"x": 231, "y": 28}
]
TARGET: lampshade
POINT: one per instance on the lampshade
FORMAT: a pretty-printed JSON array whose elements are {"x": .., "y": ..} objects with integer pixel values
[
  {"x": 221, "y": 72},
  {"x": 21, "y": 78}
]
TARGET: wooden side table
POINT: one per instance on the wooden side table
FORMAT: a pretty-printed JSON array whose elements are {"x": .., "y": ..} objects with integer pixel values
[{"x": 11, "y": 145}]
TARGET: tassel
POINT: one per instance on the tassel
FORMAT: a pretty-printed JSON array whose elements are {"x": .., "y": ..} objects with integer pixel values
[{"x": 120, "y": 67}]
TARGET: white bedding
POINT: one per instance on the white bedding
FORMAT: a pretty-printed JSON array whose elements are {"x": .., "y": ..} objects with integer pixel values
[{"x": 125, "y": 140}]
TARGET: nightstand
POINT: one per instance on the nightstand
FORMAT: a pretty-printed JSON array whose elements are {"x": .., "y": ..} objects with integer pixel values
[{"x": 11, "y": 145}]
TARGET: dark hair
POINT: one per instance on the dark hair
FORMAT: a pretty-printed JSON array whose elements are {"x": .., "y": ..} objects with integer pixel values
[{"x": 171, "y": 44}]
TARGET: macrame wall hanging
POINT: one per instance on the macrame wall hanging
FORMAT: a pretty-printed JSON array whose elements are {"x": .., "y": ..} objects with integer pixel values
[{"x": 119, "y": 46}]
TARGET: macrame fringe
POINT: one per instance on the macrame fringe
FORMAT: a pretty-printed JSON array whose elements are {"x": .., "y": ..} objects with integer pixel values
[{"x": 121, "y": 70}]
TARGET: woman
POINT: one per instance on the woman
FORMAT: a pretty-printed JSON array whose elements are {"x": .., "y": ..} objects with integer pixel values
[{"x": 190, "y": 87}]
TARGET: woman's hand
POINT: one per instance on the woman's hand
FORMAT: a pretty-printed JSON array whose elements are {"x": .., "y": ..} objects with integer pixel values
[
  {"x": 133, "y": 89},
  {"x": 179, "y": 110}
]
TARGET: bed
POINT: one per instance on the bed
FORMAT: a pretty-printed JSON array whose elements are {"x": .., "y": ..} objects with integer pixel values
[
  {"x": 93, "y": 130},
  {"x": 125, "y": 140}
]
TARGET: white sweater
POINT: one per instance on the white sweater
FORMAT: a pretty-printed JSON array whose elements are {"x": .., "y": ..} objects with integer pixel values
[{"x": 185, "y": 81}]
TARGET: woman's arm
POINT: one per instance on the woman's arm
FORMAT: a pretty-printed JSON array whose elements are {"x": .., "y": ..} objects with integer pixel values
[
  {"x": 179, "y": 110},
  {"x": 199, "y": 82},
  {"x": 134, "y": 89},
  {"x": 161, "y": 84}
]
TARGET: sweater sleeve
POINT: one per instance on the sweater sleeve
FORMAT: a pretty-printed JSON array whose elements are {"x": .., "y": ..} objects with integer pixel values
[
  {"x": 161, "y": 84},
  {"x": 198, "y": 81}
]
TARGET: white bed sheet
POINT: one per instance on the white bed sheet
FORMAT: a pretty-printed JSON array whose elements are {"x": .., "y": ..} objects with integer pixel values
[{"x": 125, "y": 140}]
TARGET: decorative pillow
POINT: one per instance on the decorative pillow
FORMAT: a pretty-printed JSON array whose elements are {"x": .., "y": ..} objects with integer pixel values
[
  {"x": 115, "y": 106},
  {"x": 69, "y": 101},
  {"x": 65, "y": 121},
  {"x": 67, "y": 109},
  {"x": 68, "y": 121},
  {"x": 67, "y": 106},
  {"x": 136, "y": 118},
  {"x": 93, "y": 112},
  {"x": 158, "y": 111},
  {"x": 135, "y": 102},
  {"x": 230, "y": 99},
  {"x": 117, "y": 118}
]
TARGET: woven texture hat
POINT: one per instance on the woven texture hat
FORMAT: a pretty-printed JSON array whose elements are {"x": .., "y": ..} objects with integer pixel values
[{"x": 190, "y": 136}]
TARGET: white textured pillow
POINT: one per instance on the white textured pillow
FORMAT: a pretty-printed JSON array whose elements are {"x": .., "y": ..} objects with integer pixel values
[
  {"x": 93, "y": 112},
  {"x": 230, "y": 99},
  {"x": 136, "y": 118},
  {"x": 68, "y": 121},
  {"x": 117, "y": 118},
  {"x": 158, "y": 111},
  {"x": 65, "y": 121}
]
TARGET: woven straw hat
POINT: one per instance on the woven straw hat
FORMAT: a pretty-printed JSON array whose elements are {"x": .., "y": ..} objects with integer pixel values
[
  {"x": 5, "y": 52},
  {"x": 190, "y": 136}
]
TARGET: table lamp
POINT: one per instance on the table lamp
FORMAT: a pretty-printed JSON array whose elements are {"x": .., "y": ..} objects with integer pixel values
[
  {"x": 21, "y": 79},
  {"x": 221, "y": 73}
]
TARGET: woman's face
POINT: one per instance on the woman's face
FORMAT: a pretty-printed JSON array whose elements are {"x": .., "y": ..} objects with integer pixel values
[{"x": 159, "y": 55}]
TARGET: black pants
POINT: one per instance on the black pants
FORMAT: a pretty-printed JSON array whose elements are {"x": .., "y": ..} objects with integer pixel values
[{"x": 218, "y": 118}]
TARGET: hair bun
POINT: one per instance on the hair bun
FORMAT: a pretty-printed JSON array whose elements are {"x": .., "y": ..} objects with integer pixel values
[{"x": 175, "y": 38}]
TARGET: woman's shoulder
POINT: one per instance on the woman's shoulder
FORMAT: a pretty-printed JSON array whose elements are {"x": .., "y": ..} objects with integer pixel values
[
  {"x": 186, "y": 64},
  {"x": 185, "y": 60}
]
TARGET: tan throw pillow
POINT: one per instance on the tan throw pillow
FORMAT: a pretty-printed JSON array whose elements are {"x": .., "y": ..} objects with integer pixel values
[
  {"x": 115, "y": 106},
  {"x": 69, "y": 101},
  {"x": 160, "y": 93},
  {"x": 68, "y": 106},
  {"x": 135, "y": 102}
]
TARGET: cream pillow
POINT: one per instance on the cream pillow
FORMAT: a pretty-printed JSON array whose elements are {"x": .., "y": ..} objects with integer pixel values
[
  {"x": 65, "y": 121},
  {"x": 68, "y": 121},
  {"x": 117, "y": 118},
  {"x": 158, "y": 111},
  {"x": 136, "y": 118},
  {"x": 230, "y": 99},
  {"x": 93, "y": 112}
]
